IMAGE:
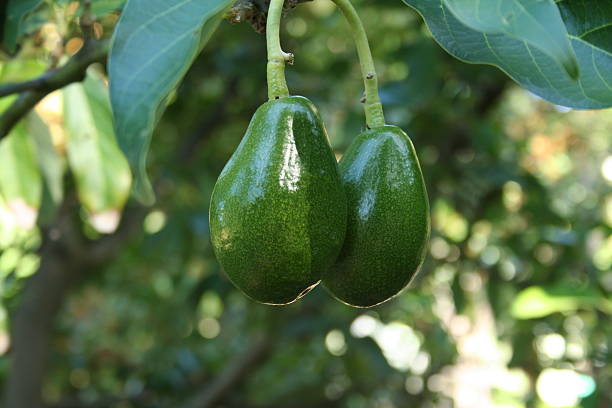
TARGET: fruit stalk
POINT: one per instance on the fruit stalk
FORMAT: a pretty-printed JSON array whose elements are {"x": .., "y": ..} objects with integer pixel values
[
  {"x": 277, "y": 85},
  {"x": 373, "y": 108}
]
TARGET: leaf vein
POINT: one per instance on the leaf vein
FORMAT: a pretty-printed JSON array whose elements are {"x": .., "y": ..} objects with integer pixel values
[
  {"x": 595, "y": 29},
  {"x": 597, "y": 70},
  {"x": 591, "y": 45}
]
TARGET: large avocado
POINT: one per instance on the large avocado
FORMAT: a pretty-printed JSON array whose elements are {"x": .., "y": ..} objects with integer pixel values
[
  {"x": 388, "y": 219},
  {"x": 278, "y": 210}
]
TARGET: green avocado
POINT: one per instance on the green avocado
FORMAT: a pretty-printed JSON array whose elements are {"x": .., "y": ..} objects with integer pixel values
[
  {"x": 388, "y": 219},
  {"x": 278, "y": 209}
]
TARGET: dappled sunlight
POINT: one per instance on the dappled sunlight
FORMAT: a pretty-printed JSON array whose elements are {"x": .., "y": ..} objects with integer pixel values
[
  {"x": 51, "y": 111},
  {"x": 563, "y": 388},
  {"x": 335, "y": 343},
  {"x": 511, "y": 307},
  {"x": 399, "y": 343}
]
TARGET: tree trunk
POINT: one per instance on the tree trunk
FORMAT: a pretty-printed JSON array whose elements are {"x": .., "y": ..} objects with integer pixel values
[{"x": 31, "y": 327}]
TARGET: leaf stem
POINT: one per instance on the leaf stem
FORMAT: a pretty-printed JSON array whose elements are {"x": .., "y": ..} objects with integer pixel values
[
  {"x": 372, "y": 105},
  {"x": 277, "y": 85}
]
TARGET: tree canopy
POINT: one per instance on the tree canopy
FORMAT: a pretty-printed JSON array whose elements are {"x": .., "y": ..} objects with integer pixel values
[{"x": 511, "y": 309}]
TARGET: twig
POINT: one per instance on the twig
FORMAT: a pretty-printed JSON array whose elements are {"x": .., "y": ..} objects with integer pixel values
[
  {"x": 34, "y": 90},
  {"x": 87, "y": 21},
  {"x": 17, "y": 87}
]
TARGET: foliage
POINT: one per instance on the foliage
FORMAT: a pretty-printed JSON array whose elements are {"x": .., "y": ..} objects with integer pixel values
[
  {"x": 513, "y": 307},
  {"x": 16, "y": 13},
  {"x": 102, "y": 173},
  {"x": 561, "y": 51},
  {"x": 144, "y": 69}
]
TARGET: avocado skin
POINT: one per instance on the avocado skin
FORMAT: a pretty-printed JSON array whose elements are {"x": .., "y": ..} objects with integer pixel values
[
  {"x": 388, "y": 219},
  {"x": 278, "y": 209}
]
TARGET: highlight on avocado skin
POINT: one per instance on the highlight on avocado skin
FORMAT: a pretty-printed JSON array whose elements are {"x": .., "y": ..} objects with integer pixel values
[
  {"x": 278, "y": 209},
  {"x": 388, "y": 219}
]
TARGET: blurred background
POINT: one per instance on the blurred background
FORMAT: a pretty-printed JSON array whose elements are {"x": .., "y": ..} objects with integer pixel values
[{"x": 512, "y": 308}]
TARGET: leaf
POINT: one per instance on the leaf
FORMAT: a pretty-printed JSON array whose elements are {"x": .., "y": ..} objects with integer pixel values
[
  {"x": 103, "y": 7},
  {"x": 154, "y": 44},
  {"x": 21, "y": 69},
  {"x": 538, "y": 301},
  {"x": 51, "y": 164},
  {"x": 588, "y": 30},
  {"x": 16, "y": 12},
  {"x": 100, "y": 169},
  {"x": 20, "y": 180},
  {"x": 99, "y": 8},
  {"x": 538, "y": 23}
]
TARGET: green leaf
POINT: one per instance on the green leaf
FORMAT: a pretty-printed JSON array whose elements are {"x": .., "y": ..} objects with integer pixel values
[
  {"x": 99, "y": 8},
  {"x": 21, "y": 69},
  {"x": 103, "y": 7},
  {"x": 537, "y": 23},
  {"x": 51, "y": 164},
  {"x": 538, "y": 301},
  {"x": 100, "y": 169},
  {"x": 154, "y": 44},
  {"x": 588, "y": 30},
  {"x": 20, "y": 180},
  {"x": 16, "y": 13}
]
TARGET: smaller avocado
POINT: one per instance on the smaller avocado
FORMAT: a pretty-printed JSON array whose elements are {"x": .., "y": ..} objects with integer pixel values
[
  {"x": 278, "y": 209},
  {"x": 388, "y": 219}
]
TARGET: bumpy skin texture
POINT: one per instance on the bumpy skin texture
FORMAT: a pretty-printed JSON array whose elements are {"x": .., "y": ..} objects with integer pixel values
[
  {"x": 278, "y": 210},
  {"x": 388, "y": 219}
]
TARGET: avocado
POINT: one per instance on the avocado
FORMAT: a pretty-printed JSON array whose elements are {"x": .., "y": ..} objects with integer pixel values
[
  {"x": 278, "y": 209},
  {"x": 388, "y": 219}
]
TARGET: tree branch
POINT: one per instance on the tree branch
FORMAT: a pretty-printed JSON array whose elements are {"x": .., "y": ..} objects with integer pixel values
[
  {"x": 17, "y": 87},
  {"x": 255, "y": 12},
  {"x": 236, "y": 371},
  {"x": 35, "y": 90}
]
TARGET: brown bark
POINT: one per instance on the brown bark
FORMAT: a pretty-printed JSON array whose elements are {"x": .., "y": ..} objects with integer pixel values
[
  {"x": 65, "y": 257},
  {"x": 31, "y": 325}
]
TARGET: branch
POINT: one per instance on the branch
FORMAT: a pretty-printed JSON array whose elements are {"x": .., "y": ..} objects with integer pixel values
[
  {"x": 283, "y": 328},
  {"x": 36, "y": 89},
  {"x": 236, "y": 371},
  {"x": 255, "y": 12},
  {"x": 17, "y": 87}
]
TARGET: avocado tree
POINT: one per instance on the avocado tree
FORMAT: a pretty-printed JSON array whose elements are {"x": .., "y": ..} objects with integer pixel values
[{"x": 117, "y": 117}]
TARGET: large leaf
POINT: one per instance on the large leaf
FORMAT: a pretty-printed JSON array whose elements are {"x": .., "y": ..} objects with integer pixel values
[
  {"x": 16, "y": 12},
  {"x": 537, "y": 23},
  {"x": 20, "y": 180},
  {"x": 154, "y": 44},
  {"x": 101, "y": 171},
  {"x": 535, "y": 64}
]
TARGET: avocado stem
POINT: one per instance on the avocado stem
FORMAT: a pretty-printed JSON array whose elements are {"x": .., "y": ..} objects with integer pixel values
[
  {"x": 277, "y": 84},
  {"x": 372, "y": 105}
]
